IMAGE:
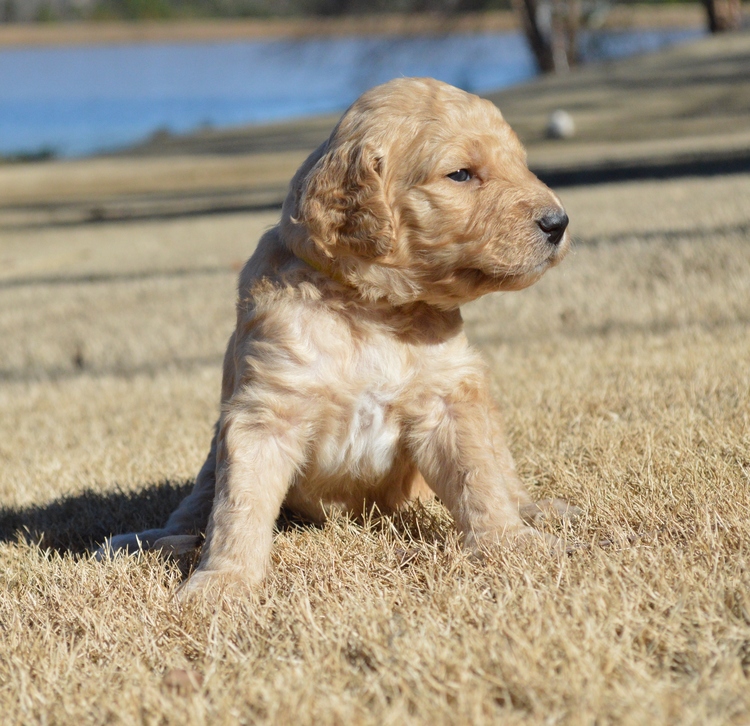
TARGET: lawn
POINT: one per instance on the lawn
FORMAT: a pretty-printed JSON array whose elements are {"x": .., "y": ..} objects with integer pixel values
[{"x": 624, "y": 381}]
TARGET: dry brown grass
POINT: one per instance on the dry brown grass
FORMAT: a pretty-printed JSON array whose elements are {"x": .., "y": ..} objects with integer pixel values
[{"x": 625, "y": 387}]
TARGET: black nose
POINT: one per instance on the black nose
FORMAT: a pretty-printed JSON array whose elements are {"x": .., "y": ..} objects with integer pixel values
[{"x": 553, "y": 224}]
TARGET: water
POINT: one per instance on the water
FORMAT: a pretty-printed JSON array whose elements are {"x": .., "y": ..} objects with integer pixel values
[{"x": 74, "y": 101}]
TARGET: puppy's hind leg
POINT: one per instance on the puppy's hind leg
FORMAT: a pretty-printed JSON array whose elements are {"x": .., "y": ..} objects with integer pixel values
[{"x": 180, "y": 533}]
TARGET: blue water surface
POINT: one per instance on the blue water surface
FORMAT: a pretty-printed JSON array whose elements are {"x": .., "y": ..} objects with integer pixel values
[{"x": 79, "y": 100}]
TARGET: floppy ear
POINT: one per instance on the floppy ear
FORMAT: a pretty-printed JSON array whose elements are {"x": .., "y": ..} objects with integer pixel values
[{"x": 343, "y": 204}]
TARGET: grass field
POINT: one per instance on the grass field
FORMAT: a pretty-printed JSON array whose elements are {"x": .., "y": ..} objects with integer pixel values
[{"x": 624, "y": 380}]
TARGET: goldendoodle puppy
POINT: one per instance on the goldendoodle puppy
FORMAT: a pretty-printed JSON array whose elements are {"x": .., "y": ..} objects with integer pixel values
[{"x": 348, "y": 381}]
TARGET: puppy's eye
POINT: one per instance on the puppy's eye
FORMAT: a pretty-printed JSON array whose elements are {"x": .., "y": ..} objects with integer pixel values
[{"x": 462, "y": 175}]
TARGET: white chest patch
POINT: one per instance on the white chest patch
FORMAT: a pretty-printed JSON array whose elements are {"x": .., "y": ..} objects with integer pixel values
[{"x": 371, "y": 440}]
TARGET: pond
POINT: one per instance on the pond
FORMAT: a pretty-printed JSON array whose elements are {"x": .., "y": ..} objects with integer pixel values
[{"x": 72, "y": 101}]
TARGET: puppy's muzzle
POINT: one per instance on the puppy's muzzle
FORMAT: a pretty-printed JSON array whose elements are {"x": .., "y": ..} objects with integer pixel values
[{"x": 553, "y": 224}]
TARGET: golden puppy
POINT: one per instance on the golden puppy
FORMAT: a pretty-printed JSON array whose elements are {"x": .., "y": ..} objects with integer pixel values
[{"x": 348, "y": 381}]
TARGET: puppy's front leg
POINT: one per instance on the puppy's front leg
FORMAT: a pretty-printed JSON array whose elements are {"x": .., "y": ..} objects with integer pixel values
[
  {"x": 259, "y": 454},
  {"x": 458, "y": 446}
]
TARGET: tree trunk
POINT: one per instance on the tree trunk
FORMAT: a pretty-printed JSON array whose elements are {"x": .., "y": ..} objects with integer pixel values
[
  {"x": 551, "y": 27},
  {"x": 723, "y": 15}
]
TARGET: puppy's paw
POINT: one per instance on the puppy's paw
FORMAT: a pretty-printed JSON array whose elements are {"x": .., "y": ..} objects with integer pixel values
[
  {"x": 554, "y": 545},
  {"x": 536, "y": 513},
  {"x": 523, "y": 538},
  {"x": 129, "y": 544},
  {"x": 177, "y": 544},
  {"x": 205, "y": 583},
  {"x": 530, "y": 537}
]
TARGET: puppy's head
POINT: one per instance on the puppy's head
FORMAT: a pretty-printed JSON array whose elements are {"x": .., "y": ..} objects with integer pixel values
[{"x": 422, "y": 193}]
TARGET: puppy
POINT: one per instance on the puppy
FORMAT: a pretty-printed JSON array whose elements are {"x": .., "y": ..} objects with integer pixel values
[{"x": 348, "y": 381}]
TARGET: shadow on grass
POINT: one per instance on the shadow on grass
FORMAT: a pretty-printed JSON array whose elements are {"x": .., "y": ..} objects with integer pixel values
[
  {"x": 77, "y": 524},
  {"x": 80, "y": 522}
]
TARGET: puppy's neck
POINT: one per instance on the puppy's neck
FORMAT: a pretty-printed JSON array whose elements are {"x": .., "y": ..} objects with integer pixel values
[
  {"x": 414, "y": 322},
  {"x": 423, "y": 324},
  {"x": 283, "y": 266}
]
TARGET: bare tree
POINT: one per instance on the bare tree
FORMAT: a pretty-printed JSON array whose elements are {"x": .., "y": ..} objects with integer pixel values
[
  {"x": 723, "y": 15},
  {"x": 551, "y": 27}
]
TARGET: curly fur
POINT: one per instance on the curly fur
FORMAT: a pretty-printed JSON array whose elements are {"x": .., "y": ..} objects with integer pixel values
[{"x": 348, "y": 381}]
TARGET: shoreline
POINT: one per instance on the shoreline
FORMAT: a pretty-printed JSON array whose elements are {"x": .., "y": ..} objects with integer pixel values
[
  {"x": 681, "y": 112},
  {"x": 211, "y": 30}
]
